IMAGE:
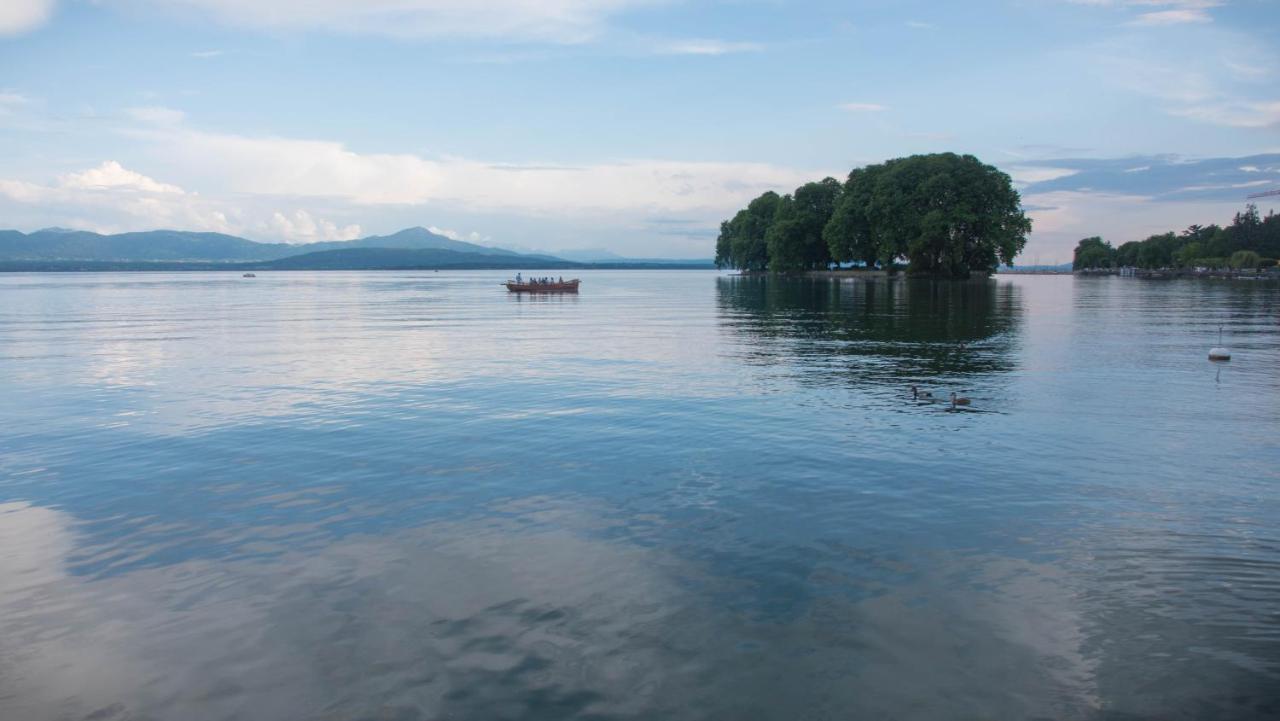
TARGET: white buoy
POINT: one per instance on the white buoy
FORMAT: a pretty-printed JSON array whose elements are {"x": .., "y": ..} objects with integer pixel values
[{"x": 1219, "y": 353}]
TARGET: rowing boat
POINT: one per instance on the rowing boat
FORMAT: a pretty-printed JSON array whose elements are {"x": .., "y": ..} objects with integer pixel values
[{"x": 567, "y": 286}]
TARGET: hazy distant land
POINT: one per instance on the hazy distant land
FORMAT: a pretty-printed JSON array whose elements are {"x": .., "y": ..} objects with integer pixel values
[{"x": 57, "y": 249}]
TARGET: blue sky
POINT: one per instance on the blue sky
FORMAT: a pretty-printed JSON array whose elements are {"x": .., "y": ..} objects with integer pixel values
[{"x": 629, "y": 125}]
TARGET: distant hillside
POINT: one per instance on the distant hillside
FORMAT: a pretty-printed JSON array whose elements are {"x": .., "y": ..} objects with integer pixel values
[
  {"x": 59, "y": 249},
  {"x": 175, "y": 245},
  {"x": 410, "y": 259},
  {"x": 409, "y": 238},
  {"x": 60, "y": 244}
]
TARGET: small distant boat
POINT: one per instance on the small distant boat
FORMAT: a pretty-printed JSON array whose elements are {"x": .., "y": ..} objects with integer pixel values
[
  {"x": 564, "y": 286},
  {"x": 248, "y": 275}
]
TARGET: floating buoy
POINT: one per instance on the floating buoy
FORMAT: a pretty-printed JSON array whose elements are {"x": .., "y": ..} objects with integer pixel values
[{"x": 1219, "y": 353}]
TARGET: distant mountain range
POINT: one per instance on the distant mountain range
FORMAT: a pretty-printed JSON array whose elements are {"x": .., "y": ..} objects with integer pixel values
[{"x": 62, "y": 249}]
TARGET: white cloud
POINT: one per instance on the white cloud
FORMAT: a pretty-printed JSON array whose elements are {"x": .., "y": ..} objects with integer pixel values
[
  {"x": 1209, "y": 86},
  {"x": 1172, "y": 17},
  {"x": 919, "y": 25},
  {"x": 1026, "y": 174},
  {"x": 472, "y": 237},
  {"x": 267, "y": 166},
  {"x": 10, "y": 102},
  {"x": 110, "y": 198},
  {"x": 203, "y": 54},
  {"x": 246, "y": 184},
  {"x": 706, "y": 47},
  {"x": 1234, "y": 114},
  {"x": 1246, "y": 70},
  {"x": 301, "y": 227},
  {"x": 112, "y": 176},
  {"x": 1161, "y": 12},
  {"x": 863, "y": 107},
  {"x": 549, "y": 20},
  {"x": 19, "y": 16},
  {"x": 156, "y": 115}
]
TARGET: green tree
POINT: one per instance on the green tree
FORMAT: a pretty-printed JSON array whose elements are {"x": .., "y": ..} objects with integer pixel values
[
  {"x": 1242, "y": 259},
  {"x": 1187, "y": 255},
  {"x": 1157, "y": 251},
  {"x": 747, "y": 231},
  {"x": 1246, "y": 231},
  {"x": 724, "y": 243},
  {"x": 849, "y": 234},
  {"x": 815, "y": 203},
  {"x": 948, "y": 214},
  {"x": 1127, "y": 254},
  {"x": 795, "y": 237},
  {"x": 1093, "y": 253},
  {"x": 785, "y": 238},
  {"x": 1270, "y": 246}
]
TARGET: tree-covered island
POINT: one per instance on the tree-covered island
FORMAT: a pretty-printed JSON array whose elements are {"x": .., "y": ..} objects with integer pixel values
[{"x": 946, "y": 215}]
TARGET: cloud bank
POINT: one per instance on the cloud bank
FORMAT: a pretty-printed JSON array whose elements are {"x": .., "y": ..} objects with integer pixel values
[{"x": 20, "y": 16}]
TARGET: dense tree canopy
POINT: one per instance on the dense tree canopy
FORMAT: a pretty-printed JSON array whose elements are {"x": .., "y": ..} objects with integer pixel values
[
  {"x": 794, "y": 239},
  {"x": 1093, "y": 253},
  {"x": 945, "y": 214},
  {"x": 850, "y": 235},
  {"x": 1249, "y": 242},
  {"x": 742, "y": 241}
]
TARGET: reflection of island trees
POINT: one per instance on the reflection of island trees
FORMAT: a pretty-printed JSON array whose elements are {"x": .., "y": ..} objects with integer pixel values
[{"x": 875, "y": 329}]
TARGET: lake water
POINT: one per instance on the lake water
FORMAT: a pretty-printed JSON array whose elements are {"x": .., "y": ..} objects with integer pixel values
[{"x": 680, "y": 495}]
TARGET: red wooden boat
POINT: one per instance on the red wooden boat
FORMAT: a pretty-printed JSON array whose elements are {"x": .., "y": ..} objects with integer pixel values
[{"x": 564, "y": 286}]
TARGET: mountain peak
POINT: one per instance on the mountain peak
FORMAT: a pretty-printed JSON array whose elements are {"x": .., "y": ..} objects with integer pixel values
[{"x": 416, "y": 231}]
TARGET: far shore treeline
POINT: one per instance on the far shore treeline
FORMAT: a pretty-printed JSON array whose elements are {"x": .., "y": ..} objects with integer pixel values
[
  {"x": 1251, "y": 241},
  {"x": 944, "y": 214}
]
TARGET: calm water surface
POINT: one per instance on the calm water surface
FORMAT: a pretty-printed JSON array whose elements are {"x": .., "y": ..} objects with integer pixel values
[{"x": 679, "y": 496}]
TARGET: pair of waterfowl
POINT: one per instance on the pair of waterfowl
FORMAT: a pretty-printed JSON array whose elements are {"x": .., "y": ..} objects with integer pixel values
[{"x": 919, "y": 395}]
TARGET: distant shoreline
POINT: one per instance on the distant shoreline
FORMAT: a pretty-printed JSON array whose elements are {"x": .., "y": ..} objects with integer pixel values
[
  {"x": 1172, "y": 273},
  {"x": 104, "y": 266}
]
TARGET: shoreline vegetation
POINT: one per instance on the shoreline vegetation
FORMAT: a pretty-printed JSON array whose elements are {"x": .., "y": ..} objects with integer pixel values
[
  {"x": 1247, "y": 248},
  {"x": 944, "y": 215}
]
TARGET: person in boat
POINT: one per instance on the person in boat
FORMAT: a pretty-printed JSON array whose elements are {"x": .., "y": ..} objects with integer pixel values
[{"x": 518, "y": 281}]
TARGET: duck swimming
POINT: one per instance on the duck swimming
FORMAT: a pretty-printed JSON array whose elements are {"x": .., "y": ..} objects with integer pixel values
[
  {"x": 917, "y": 394},
  {"x": 958, "y": 401}
]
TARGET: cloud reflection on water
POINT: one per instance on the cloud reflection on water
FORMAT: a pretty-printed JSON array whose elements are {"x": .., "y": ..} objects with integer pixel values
[{"x": 527, "y": 616}]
